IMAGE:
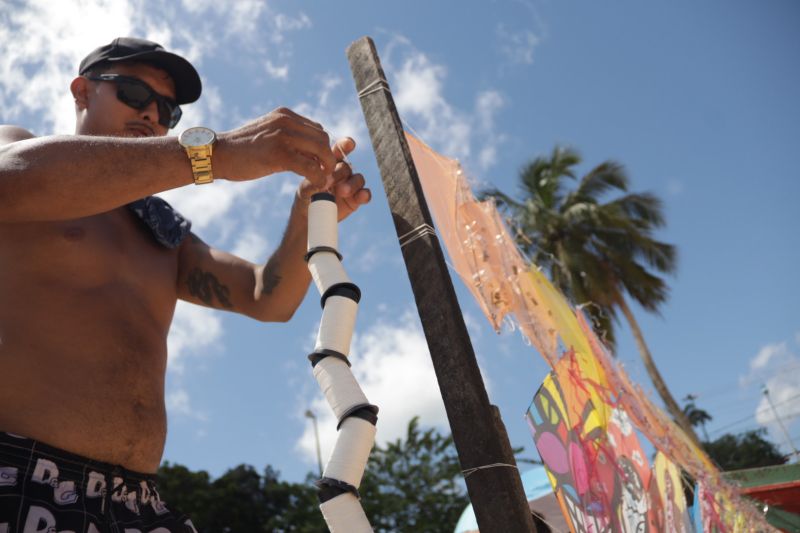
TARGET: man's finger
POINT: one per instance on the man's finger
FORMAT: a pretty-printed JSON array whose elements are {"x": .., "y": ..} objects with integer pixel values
[
  {"x": 309, "y": 168},
  {"x": 342, "y": 172},
  {"x": 342, "y": 147},
  {"x": 300, "y": 118},
  {"x": 350, "y": 186},
  {"x": 315, "y": 146}
]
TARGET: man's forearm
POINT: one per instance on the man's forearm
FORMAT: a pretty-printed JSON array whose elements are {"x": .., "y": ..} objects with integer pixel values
[
  {"x": 70, "y": 176},
  {"x": 283, "y": 281}
]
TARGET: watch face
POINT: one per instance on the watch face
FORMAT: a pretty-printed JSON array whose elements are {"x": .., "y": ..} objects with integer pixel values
[{"x": 198, "y": 136}]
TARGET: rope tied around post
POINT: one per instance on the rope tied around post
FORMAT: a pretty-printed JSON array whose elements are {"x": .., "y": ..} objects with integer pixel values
[
  {"x": 375, "y": 86},
  {"x": 470, "y": 471}
]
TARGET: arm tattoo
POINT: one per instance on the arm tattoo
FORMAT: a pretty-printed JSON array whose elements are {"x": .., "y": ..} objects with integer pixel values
[
  {"x": 205, "y": 285},
  {"x": 270, "y": 278}
]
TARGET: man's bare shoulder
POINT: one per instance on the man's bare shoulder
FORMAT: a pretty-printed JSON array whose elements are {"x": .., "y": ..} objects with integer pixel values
[{"x": 10, "y": 134}]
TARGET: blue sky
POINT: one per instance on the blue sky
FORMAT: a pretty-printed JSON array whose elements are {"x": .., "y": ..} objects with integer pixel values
[{"x": 697, "y": 99}]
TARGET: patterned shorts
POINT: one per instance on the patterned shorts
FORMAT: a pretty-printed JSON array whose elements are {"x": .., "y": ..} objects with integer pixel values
[{"x": 47, "y": 490}]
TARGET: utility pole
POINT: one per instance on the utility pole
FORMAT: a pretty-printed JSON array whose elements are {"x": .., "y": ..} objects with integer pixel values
[
  {"x": 491, "y": 476},
  {"x": 780, "y": 423},
  {"x": 310, "y": 414}
]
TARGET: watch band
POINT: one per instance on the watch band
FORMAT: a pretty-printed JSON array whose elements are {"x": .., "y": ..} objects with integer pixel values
[{"x": 200, "y": 158}]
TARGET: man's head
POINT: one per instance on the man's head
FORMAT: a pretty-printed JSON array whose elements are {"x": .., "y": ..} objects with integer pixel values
[{"x": 132, "y": 87}]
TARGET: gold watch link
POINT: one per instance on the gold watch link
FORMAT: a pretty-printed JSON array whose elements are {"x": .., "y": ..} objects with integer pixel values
[
  {"x": 200, "y": 158},
  {"x": 198, "y": 143}
]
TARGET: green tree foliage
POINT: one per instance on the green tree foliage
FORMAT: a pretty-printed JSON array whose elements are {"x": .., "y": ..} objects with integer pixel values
[
  {"x": 241, "y": 500},
  {"x": 745, "y": 450},
  {"x": 733, "y": 452},
  {"x": 413, "y": 484}
]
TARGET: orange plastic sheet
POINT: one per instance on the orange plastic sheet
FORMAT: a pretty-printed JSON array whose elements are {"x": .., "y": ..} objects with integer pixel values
[{"x": 589, "y": 388}]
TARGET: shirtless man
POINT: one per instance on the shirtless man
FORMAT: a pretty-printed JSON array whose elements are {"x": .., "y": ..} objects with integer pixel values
[{"x": 88, "y": 286}]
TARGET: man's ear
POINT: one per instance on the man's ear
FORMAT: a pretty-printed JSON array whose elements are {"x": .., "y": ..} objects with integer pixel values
[{"x": 80, "y": 92}]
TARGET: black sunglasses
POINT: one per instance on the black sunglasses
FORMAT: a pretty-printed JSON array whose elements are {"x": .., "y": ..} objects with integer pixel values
[{"x": 137, "y": 94}]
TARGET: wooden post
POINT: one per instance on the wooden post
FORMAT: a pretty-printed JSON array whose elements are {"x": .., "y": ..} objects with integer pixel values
[{"x": 496, "y": 493}]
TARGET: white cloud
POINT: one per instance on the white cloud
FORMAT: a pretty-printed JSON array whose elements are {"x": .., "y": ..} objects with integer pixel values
[
  {"x": 277, "y": 72},
  {"x": 207, "y": 204},
  {"x": 41, "y": 44},
  {"x": 776, "y": 366},
  {"x": 418, "y": 86},
  {"x": 195, "y": 331},
  {"x": 239, "y": 18},
  {"x": 340, "y": 117},
  {"x": 518, "y": 46},
  {"x": 519, "y": 40},
  {"x": 767, "y": 353},
  {"x": 251, "y": 245},
  {"x": 179, "y": 404},
  {"x": 285, "y": 23},
  {"x": 392, "y": 363}
]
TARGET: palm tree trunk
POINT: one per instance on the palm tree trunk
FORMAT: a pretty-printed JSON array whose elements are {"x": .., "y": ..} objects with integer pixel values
[{"x": 655, "y": 375}]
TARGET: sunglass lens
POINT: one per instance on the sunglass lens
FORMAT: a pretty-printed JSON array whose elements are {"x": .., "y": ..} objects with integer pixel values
[
  {"x": 168, "y": 113},
  {"x": 134, "y": 94}
]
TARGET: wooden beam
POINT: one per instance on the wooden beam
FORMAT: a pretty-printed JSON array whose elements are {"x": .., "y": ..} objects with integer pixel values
[{"x": 496, "y": 493}]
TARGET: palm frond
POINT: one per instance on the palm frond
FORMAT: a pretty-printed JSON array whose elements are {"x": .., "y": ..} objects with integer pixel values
[
  {"x": 601, "y": 179},
  {"x": 645, "y": 208}
]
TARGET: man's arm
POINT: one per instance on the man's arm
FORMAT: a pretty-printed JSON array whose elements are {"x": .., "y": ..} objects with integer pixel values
[
  {"x": 71, "y": 176},
  {"x": 270, "y": 292}
]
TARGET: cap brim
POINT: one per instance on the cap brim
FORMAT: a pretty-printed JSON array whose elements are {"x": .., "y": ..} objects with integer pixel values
[{"x": 187, "y": 81}]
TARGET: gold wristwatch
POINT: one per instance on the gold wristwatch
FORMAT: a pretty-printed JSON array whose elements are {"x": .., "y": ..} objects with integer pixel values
[{"x": 198, "y": 143}]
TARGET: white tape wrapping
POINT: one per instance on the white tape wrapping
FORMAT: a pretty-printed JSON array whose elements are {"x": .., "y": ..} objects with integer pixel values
[
  {"x": 322, "y": 224},
  {"x": 338, "y": 385},
  {"x": 344, "y": 514},
  {"x": 350, "y": 454},
  {"x": 337, "y": 324},
  {"x": 327, "y": 270}
]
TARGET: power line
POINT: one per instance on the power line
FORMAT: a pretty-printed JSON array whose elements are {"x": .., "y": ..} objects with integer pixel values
[
  {"x": 749, "y": 381},
  {"x": 760, "y": 411},
  {"x": 784, "y": 417}
]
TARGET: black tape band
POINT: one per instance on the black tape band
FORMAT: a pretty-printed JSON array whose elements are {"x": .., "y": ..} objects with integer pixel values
[
  {"x": 364, "y": 411},
  {"x": 321, "y": 249},
  {"x": 348, "y": 290},
  {"x": 323, "y": 196},
  {"x": 319, "y": 355},
  {"x": 330, "y": 488}
]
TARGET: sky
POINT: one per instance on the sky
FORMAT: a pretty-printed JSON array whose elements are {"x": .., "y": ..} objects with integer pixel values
[{"x": 698, "y": 100}]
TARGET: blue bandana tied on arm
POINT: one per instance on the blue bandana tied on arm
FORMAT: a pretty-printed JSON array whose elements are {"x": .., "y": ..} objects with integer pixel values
[{"x": 169, "y": 227}]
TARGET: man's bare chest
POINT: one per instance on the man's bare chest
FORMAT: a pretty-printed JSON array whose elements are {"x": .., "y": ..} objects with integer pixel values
[{"x": 90, "y": 252}]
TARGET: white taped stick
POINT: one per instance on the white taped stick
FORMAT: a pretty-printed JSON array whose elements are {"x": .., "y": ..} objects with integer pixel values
[
  {"x": 327, "y": 270},
  {"x": 344, "y": 514},
  {"x": 337, "y": 324},
  {"x": 338, "y": 385},
  {"x": 323, "y": 224},
  {"x": 350, "y": 454}
]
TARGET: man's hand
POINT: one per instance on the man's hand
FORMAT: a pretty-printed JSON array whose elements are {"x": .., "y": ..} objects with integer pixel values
[
  {"x": 347, "y": 187},
  {"x": 279, "y": 141}
]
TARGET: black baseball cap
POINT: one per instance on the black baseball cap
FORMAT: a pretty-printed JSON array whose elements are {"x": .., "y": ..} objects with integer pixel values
[{"x": 187, "y": 81}]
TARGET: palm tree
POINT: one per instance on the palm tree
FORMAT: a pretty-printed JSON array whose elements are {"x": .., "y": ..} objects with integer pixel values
[
  {"x": 695, "y": 415},
  {"x": 596, "y": 252}
]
